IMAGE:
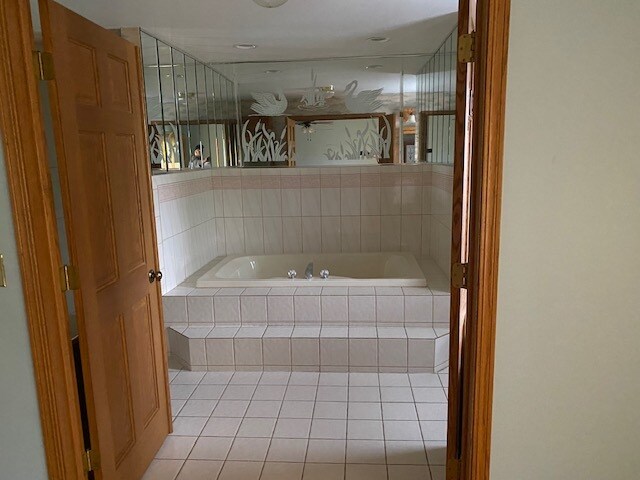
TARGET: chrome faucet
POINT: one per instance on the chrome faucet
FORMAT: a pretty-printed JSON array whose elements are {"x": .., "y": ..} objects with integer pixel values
[{"x": 308, "y": 272}]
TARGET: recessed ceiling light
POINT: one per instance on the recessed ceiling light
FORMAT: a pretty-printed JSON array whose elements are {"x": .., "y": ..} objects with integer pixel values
[
  {"x": 270, "y": 3},
  {"x": 379, "y": 39},
  {"x": 245, "y": 46},
  {"x": 271, "y": 71},
  {"x": 373, "y": 67}
]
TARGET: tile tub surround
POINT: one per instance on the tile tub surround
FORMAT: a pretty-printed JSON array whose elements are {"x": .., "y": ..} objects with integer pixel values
[
  {"x": 385, "y": 329},
  {"x": 201, "y": 215}
]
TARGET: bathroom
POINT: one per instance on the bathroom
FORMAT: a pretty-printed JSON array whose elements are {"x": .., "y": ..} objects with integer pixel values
[
  {"x": 301, "y": 239},
  {"x": 292, "y": 255}
]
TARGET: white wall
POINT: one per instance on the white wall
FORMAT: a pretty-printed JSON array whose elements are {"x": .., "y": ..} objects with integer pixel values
[
  {"x": 21, "y": 448},
  {"x": 567, "y": 378}
]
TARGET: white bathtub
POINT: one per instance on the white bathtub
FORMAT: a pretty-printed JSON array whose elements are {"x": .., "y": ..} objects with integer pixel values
[{"x": 345, "y": 269}]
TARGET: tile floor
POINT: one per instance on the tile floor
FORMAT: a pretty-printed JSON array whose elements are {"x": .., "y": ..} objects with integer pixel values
[{"x": 304, "y": 426}]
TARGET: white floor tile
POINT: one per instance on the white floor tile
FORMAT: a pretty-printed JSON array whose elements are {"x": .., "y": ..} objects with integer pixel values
[
  {"x": 331, "y": 410},
  {"x": 364, "y": 411},
  {"x": 200, "y": 470},
  {"x": 432, "y": 411},
  {"x": 328, "y": 429},
  {"x": 334, "y": 379},
  {"x": 234, "y": 470},
  {"x": 394, "y": 380},
  {"x": 399, "y": 411},
  {"x": 264, "y": 408},
  {"x": 406, "y": 452},
  {"x": 436, "y": 452},
  {"x": 300, "y": 392},
  {"x": 434, "y": 430},
  {"x": 365, "y": 451},
  {"x": 188, "y": 426},
  {"x": 364, "y": 394},
  {"x": 363, "y": 379},
  {"x": 208, "y": 392},
  {"x": 198, "y": 408},
  {"x": 211, "y": 448},
  {"x": 287, "y": 450},
  {"x": 176, "y": 448},
  {"x": 331, "y": 394},
  {"x": 163, "y": 469},
  {"x": 230, "y": 408},
  {"x": 297, "y": 409},
  {"x": 257, "y": 427},
  {"x": 396, "y": 394},
  {"x": 304, "y": 378},
  {"x": 438, "y": 472},
  {"x": 218, "y": 378},
  {"x": 366, "y": 472},
  {"x": 429, "y": 395},
  {"x": 238, "y": 392},
  {"x": 424, "y": 380},
  {"x": 323, "y": 471},
  {"x": 326, "y": 451},
  {"x": 275, "y": 378},
  {"x": 292, "y": 428},
  {"x": 365, "y": 430},
  {"x": 401, "y": 430},
  {"x": 221, "y": 427},
  {"x": 282, "y": 471},
  {"x": 408, "y": 472},
  {"x": 181, "y": 392},
  {"x": 248, "y": 425},
  {"x": 186, "y": 377},
  {"x": 249, "y": 449},
  {"x": 269, "y": 392},
  {"x": 245, "y": 378}
]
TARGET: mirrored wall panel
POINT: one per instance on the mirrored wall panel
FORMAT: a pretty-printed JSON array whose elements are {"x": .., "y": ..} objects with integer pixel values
[
  {"x": 347, "y": 111},
  {"x": 436, "y": 104},
  {"x": 192, "y": 111}
]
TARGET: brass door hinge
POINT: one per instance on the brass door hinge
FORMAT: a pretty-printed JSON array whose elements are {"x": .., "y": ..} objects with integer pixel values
[
  {"x": 69, "y": 277},
  {"x": 3, "y": 274},
  {"x": 91, "y": 461},
  {"x": 459, "y": 273},
  {"x": 467, "y": 47},
  {"x": 43, "y": 62}
]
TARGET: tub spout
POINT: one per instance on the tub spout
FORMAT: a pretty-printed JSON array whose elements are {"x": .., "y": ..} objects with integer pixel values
[{"x": 308, "y": 272}]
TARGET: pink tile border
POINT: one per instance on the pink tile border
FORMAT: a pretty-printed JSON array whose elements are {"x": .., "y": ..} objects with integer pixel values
[
  {"x": 390, "y": 176},
  {"x": 348, "y": 180},
  {"x": 310, "y": 181},
  {"x": 330, "y": 180}
]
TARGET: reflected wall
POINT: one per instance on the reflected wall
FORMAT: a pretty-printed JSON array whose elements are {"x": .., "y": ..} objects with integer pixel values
[{"x": 191, "y": 110}]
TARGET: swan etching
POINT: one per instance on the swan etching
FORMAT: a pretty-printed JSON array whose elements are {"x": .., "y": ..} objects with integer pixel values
[
  {"x": 269, "y": 104},
  {"x": 366, "y": 101}
]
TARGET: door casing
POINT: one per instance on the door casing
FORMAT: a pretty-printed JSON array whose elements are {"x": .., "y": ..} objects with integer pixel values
[{"x": 37, "y": 240}]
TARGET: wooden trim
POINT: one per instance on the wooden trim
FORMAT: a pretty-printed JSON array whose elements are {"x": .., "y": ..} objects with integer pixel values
[
  {"x": 492, "y": 34},
  {"x": 37, "y": 242}
]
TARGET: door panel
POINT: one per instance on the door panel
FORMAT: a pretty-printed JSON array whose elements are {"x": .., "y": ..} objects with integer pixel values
[{"x": 105, "y": 177}]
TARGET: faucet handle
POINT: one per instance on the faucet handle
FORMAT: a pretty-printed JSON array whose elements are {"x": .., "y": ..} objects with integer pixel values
[
  {"x": 324, "y": 274},
  {"x": 292, "y": 274}
]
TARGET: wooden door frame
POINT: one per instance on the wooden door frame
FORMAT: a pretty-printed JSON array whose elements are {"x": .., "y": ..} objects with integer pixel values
[
  {"x": 37, "y": 243},
  {"x": 36, "y": 236},
  {"x": 490, "y": 52}
]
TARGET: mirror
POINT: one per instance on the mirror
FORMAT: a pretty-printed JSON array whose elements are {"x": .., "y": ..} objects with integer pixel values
[
  {"x": 191, "y": 110},
  {"x": 331, "y": 112}
]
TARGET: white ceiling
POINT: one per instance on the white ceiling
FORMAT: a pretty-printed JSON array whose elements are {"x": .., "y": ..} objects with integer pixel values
[{"x": 300, "y": 29}]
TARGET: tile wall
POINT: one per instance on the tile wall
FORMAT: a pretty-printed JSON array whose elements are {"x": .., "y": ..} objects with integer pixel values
[{"x": 201, "y": 215}]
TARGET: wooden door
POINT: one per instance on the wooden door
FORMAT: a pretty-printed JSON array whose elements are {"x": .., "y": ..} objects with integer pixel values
[
  {"x": 460, "y": 297},
  {"x": 101, "y": 147}
]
